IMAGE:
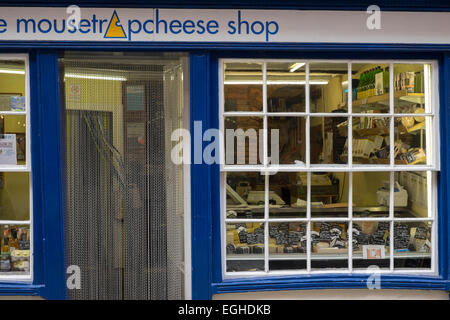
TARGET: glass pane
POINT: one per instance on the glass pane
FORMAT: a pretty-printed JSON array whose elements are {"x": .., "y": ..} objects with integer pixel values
[
  {"x": 329, "y": 194},
  {"x": 370, "y": 88},
  {"x": 287, "y": 245},
  {"x": 371, "y": 194},
  {"x": 243, "y": 140},
  {"x": 328, "y": 136},
  {"x": 411, "y": 140},
  {"x": 15, "y": 249},
  {"x": 371, "y": 244},
  {"x": 12, "y": 140},
  {"x": 328, "y": 86},
  {"x": 329, "y": 245},
  {"x": 243, "y": 87},
  {"x": 245, "y": 195},
  {"x": 371, "y": 140},
  {"x": 287, "y": 195},
  {"x": 410, "y": 88},
  {"x": 12, "y": 85},
  {"x": 286, "y": 86},
  {"x": 412, "y": 245},
  {"x": 245, "y": 246},
  {"x": 14, "y": 196},
  {"x": 286, "y": 139},
  {"x": 411, "y": 194}
]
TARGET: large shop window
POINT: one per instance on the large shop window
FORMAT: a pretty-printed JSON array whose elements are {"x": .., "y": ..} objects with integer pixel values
[
  {"x": 294, "y": 201},
  {"x": 15, "y": 169}
]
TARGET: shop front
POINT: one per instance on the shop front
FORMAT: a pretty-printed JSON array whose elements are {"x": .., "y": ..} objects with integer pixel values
[{"x": 187, "y": 152}]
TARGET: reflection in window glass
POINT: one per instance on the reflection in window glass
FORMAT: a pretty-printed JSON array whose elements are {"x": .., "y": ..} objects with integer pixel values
[
  {"x": 286, "y": 136},
  {"x": 12, "y": 140},
  {"x": 370, "y": 88},
  {"x": 411, "y": 194},
  {"x": 329, "y": 245},
  {"x": 410, "y": 140},
  {"x": 371, "y": 194},
  {"x": 287, "y": 245},
  {"x": 410, "y": 88},
  {"x": 328, "y": 137},
  {"x": 328, "y": 86},
  {"x": 242, "y": 140},
  {"x": 12, "y": 85},
  {"x": 243, "y": 87},
  {"x": 245, "y": 195},
  {"x": 244, "y": 243},
  {"x": 412, "y": 245},
  {"x": 371, "y": 142},
  {"x": 286, "y": 86},
  {"x": 15, "y": 249},
  {"x": 371, "y": 244},
  {"x": 14, "y": 196}
]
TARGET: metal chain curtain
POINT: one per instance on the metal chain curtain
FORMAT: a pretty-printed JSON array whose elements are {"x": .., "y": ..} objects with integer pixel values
[{"x": 123, "y": 195}]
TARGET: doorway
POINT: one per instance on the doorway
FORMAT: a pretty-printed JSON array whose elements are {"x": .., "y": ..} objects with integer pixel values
[{"x": 124, "y": 197}]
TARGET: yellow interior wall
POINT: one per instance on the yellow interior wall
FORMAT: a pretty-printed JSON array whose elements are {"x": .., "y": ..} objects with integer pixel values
[{"x": 14, "y": 197}]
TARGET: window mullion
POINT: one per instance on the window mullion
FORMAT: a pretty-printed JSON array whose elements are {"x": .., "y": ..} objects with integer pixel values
[{"x": 308, "y": 216}]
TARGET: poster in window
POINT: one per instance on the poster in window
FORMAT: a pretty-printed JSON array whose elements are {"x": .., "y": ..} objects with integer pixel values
[
  {"x": 135, "y": 97},
  {"x": 12, "y": 102},
  {"x": 8, "y": 149}
]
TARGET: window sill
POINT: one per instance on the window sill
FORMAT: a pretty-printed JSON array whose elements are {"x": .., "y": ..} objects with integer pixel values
[
  {"x": 341, "y": 281},
  {"x": 20, "y": 289}
]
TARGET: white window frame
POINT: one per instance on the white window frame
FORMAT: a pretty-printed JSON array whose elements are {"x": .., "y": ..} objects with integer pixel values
[
  {"x": 22, "y": 168},
  {"x": 431, "y": 167}
]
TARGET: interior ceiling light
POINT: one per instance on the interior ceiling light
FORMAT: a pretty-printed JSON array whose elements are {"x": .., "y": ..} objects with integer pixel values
[
  {"x": 12, "y": 71},
  {"x": 296, "y": 66},
  {"x": 94, "y": 77},
  {"x": 276, "y": 82}
]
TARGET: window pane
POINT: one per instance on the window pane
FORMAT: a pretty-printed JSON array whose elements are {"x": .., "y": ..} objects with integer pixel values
[
  {"x": 327, "y": 140},
  {"x": 410, "y": 88},
  {"x": 371, "y": 194},
  {"x": 411, "y": 194},
  {"x": 243, "y": 87},
  {"x": 287, "y": 195},
  {"x": 371, "y": 140},
  {"x": 286, "y": 139},
  {"x": 286, "y": 87},
  {"x": 243, "y": 140},
  {"x": 370, "y": 88},
  {"x": 12, "y": 140},
  {"x": 12, "y": 85},
  {"x": 287, "y": 245},
  {"x": 328, "y": 86},
  {"x": 329, "y": 245},
  {"x": 245, "y": 246},
  {"x": 371, "y": 244},
  {"x": 245, "y": 195},
  {"x": 14, "y": 196},
  {"x": 15, "y": 246},
  {"x": 329, "y": 194},
  {"x": 411, "y": 140},
  {"x": 412, "y": 245}
]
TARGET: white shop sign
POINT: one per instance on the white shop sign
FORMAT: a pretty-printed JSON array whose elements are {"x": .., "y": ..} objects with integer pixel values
[{"x": 205, "y": 25}]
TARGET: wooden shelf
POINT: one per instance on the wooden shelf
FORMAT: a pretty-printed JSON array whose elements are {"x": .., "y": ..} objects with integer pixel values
[{"x": 399, "y": 95}]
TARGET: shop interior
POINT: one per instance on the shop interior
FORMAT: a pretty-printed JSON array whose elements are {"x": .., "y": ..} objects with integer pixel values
[{"x": 329, "y": 191}]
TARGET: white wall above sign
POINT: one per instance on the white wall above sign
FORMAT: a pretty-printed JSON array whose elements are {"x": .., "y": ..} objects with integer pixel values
[{"x": 204, "y": 25}]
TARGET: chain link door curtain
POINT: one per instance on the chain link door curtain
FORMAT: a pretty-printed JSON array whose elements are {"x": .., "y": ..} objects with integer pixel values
[{"x": 124, "y": 197}]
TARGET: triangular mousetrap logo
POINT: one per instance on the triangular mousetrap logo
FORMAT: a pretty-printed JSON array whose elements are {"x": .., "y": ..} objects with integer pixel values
[{"x": 115, "y": 29}]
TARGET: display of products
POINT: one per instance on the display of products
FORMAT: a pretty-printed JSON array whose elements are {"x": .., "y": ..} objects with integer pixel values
[{"x": 15, "y": 249}]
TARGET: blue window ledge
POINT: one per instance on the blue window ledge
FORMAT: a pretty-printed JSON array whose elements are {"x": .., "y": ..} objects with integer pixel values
[
  {"x": 342, "y": 281},
  {"x": 21, "y": 289}
]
